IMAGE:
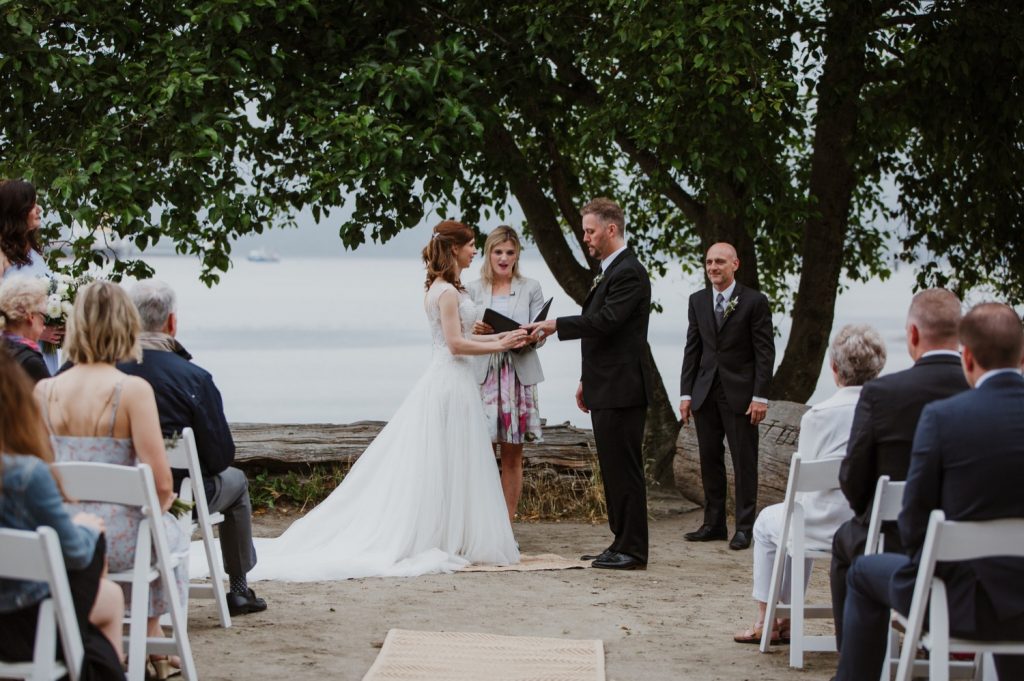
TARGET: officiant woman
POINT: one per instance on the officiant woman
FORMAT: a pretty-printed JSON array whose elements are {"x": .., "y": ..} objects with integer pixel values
[{"x": 508, "y": 380}]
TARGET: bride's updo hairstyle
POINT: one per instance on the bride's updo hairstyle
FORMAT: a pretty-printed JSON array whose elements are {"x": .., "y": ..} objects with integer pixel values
[{"x": 439, "y": 254}]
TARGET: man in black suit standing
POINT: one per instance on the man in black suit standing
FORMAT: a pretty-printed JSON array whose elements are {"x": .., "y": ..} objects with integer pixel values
[
  {"x": 968, "y": 460},
  {"x": 727, "y": 368},
  {"x": 884, "y": 423},
  {"x": 615, "y": 386}
]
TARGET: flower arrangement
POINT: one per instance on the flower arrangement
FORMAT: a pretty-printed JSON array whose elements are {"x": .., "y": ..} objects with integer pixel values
[
  {"x": 61, "y": 296},
  {"x": 597, "y": 280}
]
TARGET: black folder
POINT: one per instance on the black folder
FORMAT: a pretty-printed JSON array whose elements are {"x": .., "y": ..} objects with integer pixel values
[{"x": 500, "y": 323}]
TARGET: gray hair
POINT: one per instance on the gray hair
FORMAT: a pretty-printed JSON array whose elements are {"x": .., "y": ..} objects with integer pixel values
[
  {"x": 858, "y": 354},
  {"x": 155, "y": 301}
]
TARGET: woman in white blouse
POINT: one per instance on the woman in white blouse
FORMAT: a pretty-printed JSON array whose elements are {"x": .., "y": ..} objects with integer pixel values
[
  {"x": 508, "y": 380},
  {"x": 857, "y": 355}
]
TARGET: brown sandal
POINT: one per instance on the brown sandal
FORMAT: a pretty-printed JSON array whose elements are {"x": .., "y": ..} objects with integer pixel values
[{"x": 754, "y": 636}]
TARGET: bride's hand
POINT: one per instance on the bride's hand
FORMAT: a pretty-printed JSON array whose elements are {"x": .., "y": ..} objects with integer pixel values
[{"x": 512, "y": 339}]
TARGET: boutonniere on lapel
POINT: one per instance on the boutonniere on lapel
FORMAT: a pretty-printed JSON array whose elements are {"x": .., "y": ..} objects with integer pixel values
[
  {"x": 597, "y": 280},
  {"x": 730, "y": 307}
]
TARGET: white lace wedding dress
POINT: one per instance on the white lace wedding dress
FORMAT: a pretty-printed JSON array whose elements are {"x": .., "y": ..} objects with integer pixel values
[{"x": 424, "y": 497}]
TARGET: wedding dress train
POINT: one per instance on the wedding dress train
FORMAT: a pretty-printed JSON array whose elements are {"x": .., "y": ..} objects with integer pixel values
[{"x": 424, "y": 497}]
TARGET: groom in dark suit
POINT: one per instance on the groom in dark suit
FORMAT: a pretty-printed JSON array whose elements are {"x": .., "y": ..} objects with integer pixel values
[
  {"x": 727, "y": 368},
  {"x": 967, "y": 460},
  {"x": 615, "y": 386}
]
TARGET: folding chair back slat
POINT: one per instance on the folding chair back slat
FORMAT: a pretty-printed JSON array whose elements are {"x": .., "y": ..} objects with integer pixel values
[
  {"x": 37, "y": 556},
  {"x": 971, "y": 540},
  {"x": 103, "y": 482}
]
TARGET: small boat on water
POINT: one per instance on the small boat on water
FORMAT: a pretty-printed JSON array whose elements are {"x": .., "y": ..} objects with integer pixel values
[{"x": 263, "y": 255}]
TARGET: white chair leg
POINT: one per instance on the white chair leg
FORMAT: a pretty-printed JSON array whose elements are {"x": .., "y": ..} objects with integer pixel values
[
  {"x": 45, "y": 647},
  {"x": 988, "y": 668},
  {"x": 938, "y": 630},
  {"x": 137, "y": 630},
  {"x": 217, "y": 577},
  {"x": 796, "y": 590}
]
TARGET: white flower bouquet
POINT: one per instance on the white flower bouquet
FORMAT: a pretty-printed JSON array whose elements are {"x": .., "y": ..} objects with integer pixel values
[{"x": 61, "y": 296}]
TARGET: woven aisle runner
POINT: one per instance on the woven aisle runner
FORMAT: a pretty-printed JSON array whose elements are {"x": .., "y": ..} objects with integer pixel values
[
  {"x": 529, "y": 563},
  {"x": 456, "y": 656}
]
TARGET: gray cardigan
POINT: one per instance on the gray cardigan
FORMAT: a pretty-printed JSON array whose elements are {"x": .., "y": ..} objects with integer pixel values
[{"x": 525, "y": 303}]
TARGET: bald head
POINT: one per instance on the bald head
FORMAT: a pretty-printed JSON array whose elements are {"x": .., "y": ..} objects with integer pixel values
[
  {"x": 721, "y": 264},
  {"x": 993, "y": 336}
]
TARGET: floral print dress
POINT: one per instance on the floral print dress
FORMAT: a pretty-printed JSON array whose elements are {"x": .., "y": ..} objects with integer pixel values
[{"x": 122, "y": 523}]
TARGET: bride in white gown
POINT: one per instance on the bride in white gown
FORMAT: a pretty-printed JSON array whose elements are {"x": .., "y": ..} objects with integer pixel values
[{"x": 425, "y": 496}]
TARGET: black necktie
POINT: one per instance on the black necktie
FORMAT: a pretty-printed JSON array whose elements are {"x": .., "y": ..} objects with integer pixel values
[{"x": 720, "y": 310}]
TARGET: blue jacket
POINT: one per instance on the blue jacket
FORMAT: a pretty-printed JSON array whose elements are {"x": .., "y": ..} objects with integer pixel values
[
  {"x": 29, "y": 499},
  {"x": 186, "y": 397}
]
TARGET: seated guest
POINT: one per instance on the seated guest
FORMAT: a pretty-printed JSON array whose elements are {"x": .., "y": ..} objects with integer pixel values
[
  {"x": 968, "y": 460},
  {"x": 30, "y": 497},
  {"x": 856, "y": 355},
  {"x": 186, "y": 397},
  {"x": 97, "y": 413},
  {"x": 23, "y": 320},
  {"x": 884, "y": 423}
]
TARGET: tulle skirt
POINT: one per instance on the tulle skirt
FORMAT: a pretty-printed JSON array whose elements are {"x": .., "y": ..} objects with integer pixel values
[{"x": 424, "y": 497}]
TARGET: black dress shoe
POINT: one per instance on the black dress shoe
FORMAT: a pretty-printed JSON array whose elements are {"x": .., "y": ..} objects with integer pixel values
[
  {"x": 596, "y": 557},
  {"x": 740, "y": 540},
  {"x": 619, "y": 561},
  {"x": 243, "y": 604},
  {"x": 707, "y": 533}
]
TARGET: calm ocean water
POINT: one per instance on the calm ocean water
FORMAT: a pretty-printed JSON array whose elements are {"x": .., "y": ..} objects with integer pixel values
[{"x": 335, "y": 340}]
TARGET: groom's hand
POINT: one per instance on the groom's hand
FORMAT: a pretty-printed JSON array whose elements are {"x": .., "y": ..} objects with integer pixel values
[
  {"x": 757, "y": 411},
  {"x": 541, "y": 329},
  {"x": 579, "y": 399}
]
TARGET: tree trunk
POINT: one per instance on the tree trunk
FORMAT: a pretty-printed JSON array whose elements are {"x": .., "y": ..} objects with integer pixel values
[
  {"x": 832, "y": 182},
  {"x": 660, "y": 432}
]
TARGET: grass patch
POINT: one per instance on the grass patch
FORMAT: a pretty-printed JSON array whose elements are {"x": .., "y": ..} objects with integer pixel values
[{"x": 550, "y": 494}]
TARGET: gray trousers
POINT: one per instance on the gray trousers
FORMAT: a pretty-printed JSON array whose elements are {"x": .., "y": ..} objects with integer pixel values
[{"x": 231, "y": 497}]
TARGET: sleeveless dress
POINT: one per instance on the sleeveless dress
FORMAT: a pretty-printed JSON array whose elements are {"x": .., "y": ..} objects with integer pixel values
[
  {"x": 425, "y": 496},
  {"x": 122, "y": 524}
]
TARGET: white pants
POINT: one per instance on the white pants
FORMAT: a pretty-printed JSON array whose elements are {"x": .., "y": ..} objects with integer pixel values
[{"x": 767, "y": 532}]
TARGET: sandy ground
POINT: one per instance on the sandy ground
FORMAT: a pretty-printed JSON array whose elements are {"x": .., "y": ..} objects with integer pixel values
[{"x": 672, "y": 622}]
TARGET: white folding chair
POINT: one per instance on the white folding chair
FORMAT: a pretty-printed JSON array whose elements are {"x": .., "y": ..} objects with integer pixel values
[
  {"x": 185, "y": 455},
  {"x": 37, "y": 556},
  {"x": 809, "y": 476},
  {"x": 133, "y": 486},
  {"x": 949, "y": 541}
]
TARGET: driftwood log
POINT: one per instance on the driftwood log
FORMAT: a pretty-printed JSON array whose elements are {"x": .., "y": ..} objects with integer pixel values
[
  {"x": 283, "y": 447},
  {"x": 778, "y": 439}
]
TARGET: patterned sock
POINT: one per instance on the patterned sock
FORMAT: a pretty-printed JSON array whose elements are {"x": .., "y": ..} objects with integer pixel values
[{"x": 239, "y": 585}]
